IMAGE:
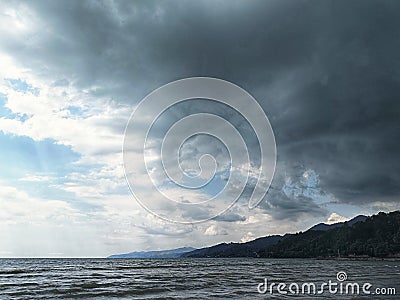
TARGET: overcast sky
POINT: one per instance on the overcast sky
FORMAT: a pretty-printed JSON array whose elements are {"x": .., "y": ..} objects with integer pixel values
[{"x": 326, "y": 73}]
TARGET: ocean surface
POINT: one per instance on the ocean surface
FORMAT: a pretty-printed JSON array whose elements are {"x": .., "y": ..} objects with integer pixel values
[{"x": 190, "y": 278}]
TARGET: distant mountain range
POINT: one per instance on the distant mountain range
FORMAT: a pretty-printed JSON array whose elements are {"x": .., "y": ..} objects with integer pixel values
[
  {"x": 362, "y": 236},
  {"x": 375, "y": 236},
  {"x": 326, "y": 227},
  {"x": 173, "y": 253}
]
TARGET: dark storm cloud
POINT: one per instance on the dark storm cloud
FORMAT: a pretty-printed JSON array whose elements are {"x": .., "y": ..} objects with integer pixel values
[
  {"x": 230, "y": 217},
  {"x": 326, "y": 72}
]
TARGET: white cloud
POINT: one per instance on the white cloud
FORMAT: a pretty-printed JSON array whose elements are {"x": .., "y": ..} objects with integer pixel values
[
  {"x": 36, "y": 178},
  {"x": 31, "y": 226},
  {"x": 249, "y": 236},
  {"x": 18, "y": 207},
  {"x": 336, "y": 218},
  {"x": 156, "y": 226},
  {"x": 215, "y": 230},
  {"x": 95, "y": 131}
]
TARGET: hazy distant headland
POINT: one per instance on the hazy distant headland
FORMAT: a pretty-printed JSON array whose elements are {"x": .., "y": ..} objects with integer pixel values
[
  {"x": 173, "y": 253},
  {"x": 374, "y": 237}
]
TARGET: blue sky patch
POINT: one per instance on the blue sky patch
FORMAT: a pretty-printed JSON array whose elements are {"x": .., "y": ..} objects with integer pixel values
[
  {"x": 75, "y": 110},
  {"x": 4, "y": 111},
  {"x": 22, "y": 86},
  {"x": 21, "y": 155},
  {"x": 7, "y": 113}
]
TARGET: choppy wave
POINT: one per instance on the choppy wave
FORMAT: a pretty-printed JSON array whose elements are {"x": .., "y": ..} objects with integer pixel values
[{"x": 174, "y": 278}]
